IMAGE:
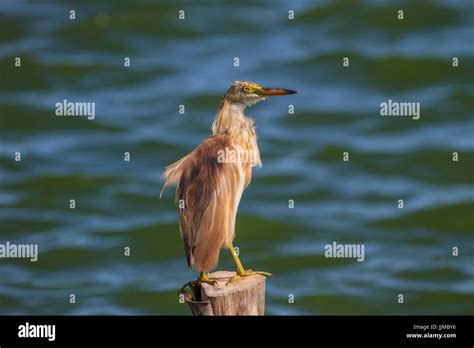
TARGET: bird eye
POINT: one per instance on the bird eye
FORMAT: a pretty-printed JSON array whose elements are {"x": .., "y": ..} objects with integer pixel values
[{"x": 247, "y": 89}]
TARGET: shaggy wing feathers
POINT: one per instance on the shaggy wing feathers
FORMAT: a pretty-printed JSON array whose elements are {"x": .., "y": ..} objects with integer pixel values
[{"x": 208, "y": 190}]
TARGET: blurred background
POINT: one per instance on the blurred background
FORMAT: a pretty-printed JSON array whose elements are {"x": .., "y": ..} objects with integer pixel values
[{"x": 190, "y": 62}]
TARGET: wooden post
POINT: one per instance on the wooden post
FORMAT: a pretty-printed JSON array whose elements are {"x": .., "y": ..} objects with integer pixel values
[{"x": 244, "y": 297}]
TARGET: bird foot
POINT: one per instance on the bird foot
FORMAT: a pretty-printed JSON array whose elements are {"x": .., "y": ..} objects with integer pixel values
[
  {"x": 249, "y": 272},
  {"x": 204, "y": 278},
  {"x": 195, "y": 284},
  {"x": 210, "y": 282}
]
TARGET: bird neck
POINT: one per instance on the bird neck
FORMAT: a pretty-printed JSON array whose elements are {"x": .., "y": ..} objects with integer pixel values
[{"x": 230, "y": 119}]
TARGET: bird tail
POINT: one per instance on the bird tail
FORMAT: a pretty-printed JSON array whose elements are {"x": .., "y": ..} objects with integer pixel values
[{"x": 173, "y": 174}]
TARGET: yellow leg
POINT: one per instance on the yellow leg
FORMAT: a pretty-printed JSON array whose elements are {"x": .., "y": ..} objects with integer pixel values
[
  {"x": 204, "y": 278},
  {"x": 241, "y": 272}
]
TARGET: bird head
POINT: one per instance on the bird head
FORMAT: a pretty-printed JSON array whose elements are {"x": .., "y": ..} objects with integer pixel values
[{"x": 249, "y": 93}]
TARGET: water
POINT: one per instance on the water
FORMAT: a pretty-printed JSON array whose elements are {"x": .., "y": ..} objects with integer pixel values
[{"x": 407, "y": 251}]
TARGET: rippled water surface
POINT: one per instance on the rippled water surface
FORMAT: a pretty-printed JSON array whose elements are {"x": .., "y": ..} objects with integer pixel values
[{"x": 407, "y": 251}]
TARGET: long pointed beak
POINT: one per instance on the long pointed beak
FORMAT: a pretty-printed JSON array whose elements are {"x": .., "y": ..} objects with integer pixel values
[{"x": 274, "y": 91}]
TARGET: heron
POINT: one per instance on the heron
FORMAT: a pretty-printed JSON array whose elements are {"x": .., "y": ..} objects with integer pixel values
[{"x": 210, "y": 181}]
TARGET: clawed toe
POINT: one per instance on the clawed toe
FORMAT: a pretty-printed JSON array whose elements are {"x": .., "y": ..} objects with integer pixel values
[{"x": 247, "y": 273}]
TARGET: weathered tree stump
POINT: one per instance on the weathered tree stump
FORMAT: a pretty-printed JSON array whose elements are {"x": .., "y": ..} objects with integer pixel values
[{"x": 244, "y": 297}]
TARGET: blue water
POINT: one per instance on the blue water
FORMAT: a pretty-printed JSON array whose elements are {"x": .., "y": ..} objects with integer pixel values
[{"x": 190, "y": 62}]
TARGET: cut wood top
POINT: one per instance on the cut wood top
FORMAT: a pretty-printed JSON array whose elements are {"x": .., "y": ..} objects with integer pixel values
[
  {"x": 246, "y": 296},
  {"x": 223, "y": 277}
]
